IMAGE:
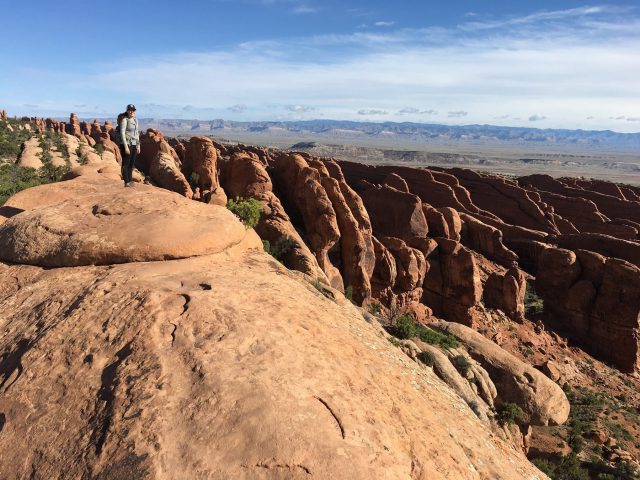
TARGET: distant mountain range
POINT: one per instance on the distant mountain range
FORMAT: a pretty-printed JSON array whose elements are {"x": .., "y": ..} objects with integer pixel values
[{"x": 406, "y": 133}]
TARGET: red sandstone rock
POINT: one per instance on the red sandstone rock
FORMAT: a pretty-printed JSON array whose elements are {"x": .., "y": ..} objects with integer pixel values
[
  {"x": 395, "y": 213},
  {"x": 73, "y": 127},
  {"x": 244, "y": 176},
  {"x": 308, "y": 204},
  {"x": 602, "y": 244},
  {"x": 201, "y": 159},
  {"x": 152, "y": 142},
  {"x": 453, "y": 286},
  {"x": 438, "y": 226},
  {"x": 109, "y": 146},
  {"x": 165, "y": 173},
  {"x": 506, "y": 292},
  {"x": 487, "y": 240}
]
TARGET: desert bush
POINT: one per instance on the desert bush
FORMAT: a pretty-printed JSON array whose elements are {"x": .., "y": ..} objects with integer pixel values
[
  {"x": 462, "y": 364},
  {"x": 405, "y": 327},
  {"x": 427, "y": 358},
  {"x": 375, "y": 308},
  {"x": 246, "y": 209},
  {"x": 348, "y": 293},
  {"x": 568, "y": 468},
  {"x": 533, "y": 304},
  {"x": 11, "y": 139},
  {"x": 14, "y": 178},
  {"x": 511, "y": 413},
  {"x": 280, "y": 248}
]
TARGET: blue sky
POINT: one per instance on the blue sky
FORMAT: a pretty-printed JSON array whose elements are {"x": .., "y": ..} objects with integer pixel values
[{"x": 560, "y": 64}]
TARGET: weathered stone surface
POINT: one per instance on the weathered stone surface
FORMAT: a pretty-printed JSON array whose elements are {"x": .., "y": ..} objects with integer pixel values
[
  {"x": 395, "y": 214},
  {"x": 201, "y": 159},
  {"x": 166, "y": 174},
  {"x": 595, "y": 300},
  {"x": 486, "y": 240},
  {"x": 603, "y": 244},
  {"x": 308, "y": 205},
  {"x": 244, "y": 176},
  {"x": 453, "y": 286},
  {"x": 73, "y": 127},
  {"x": 152, "y": 142},
  {"x": 112, "y": 227},
  {"x": 506, "y": 292},
  {"x": 148, "y": 394},
  {"x": 542, "y": 400}
]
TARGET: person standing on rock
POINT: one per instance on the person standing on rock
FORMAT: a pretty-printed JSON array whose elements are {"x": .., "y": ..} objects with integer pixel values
[{"x": 128, "y": 136}]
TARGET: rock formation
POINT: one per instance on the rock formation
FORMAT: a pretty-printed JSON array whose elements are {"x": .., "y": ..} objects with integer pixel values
[
  {"x": 201, "y": 162},
  {"x": 138, "y": 366},
  {"x": 595, "y": 300}
]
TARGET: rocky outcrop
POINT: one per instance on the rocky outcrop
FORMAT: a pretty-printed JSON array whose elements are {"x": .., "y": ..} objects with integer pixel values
[
  {"x": 166, "y": 174},
  {"x": 603, "y": 244},
  {"x": 63, "y": 235},
  {"x": 506, "y": 292},
  {"x": 244, "y": 176},
  {"x": 73, "y": 127},
  {"x": 542, "y": 400},
  {"x": 453, "y": 287},
  {"x": 200, "y": 163},
  {"x": 611, "y": 206},
  {"x": 486, "y": 240},
  {"x": 595, "y": 300},
  {"x": 300, "y": 188},
  {"x": 506, "y": 199},
  {"x": 162, "y": 369},
  {"x": 151, "y": 143},
  {"x": 395, "y": 213},
  {"x": 357, "y": 256}
]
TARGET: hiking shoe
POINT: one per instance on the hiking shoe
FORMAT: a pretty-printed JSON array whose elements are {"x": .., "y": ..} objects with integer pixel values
[{"x": 130, "y": 184}]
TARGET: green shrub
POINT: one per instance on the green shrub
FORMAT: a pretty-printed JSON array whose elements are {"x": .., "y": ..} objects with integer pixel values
[
  {"x": 510, "y": 413},
  {"x": 11, "y": 141},
  {"x": 533, "y": 304},
  {"x": 14, "y": 178},
  {"x": 375, "y": 308},
  {"x": 282, "y": 246},
  {"x": 246, "y": 209},
  {"x": 427, "y": 358},
  {"x": 568, "y": 468},
  {"x": 406, "y": 327},
  {"x": 462, "y": 364},
  {"x": 348, "y": 293},
  {"x": 99, "y": 148}
]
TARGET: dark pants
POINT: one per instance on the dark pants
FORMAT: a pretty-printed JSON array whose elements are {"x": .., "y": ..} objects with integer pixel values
[{"x": 128, "y": 162}]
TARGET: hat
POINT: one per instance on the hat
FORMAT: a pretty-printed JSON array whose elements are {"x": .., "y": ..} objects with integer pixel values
[{"x": 131, "y": 107}]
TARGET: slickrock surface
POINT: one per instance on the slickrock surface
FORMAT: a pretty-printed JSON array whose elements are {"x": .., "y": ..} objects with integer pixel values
[
  {"x": 108, "y": 227},
  {"x": 219, "y": 365}
]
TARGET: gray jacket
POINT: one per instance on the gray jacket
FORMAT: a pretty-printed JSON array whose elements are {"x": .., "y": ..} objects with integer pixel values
[{"x": 129, "y": 131}]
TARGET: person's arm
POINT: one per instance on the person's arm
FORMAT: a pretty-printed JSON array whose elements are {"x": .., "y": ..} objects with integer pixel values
[
  {"x": 123, "y": 134},
  {"x": 137, "y": 136}
]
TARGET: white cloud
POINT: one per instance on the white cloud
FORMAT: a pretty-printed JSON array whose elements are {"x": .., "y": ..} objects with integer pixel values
[
  {"x": 238, "y": 108},
  {"x": 457, "y": 114},
  {"x": 384, "y": 24},
  {"x": 373, "y": 111},
  {"x": 537, "y": 118},
  {"x": 298, "y": 108}
]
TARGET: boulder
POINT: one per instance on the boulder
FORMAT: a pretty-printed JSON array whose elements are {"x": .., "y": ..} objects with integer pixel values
[
  {"x": 166, "y": 174},
  {"x": 201, "y": 159},
  {"x": 117, "y": 226},
  {"x": 541, "y": 399}
]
